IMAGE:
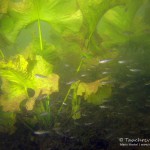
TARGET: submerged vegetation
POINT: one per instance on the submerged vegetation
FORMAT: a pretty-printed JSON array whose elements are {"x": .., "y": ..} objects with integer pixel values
[{"x": 59, "y": 58}]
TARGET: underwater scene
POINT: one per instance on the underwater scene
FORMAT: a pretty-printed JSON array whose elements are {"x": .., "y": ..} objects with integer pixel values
[{"x": 74, "y": 75}]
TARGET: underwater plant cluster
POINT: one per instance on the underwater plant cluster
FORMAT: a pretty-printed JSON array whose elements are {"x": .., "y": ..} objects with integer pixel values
[{"x": 74, "y": 74}]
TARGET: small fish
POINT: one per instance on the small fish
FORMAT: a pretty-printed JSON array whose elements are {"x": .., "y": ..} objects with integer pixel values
[
  {"x": 147, "y": 83},
  {"x": 129, "y": 99},
  {"x": 105, "y": 72},
  {"x": 40, "y": 76},
  {"x": 69, "y": 83},
  {"x": 129, "y": 75},
  {"x": 88, "y": 123},
  {"x": 84, "y": 115},
  {"x": 135, "y": 70},
  {"x": 41, "y": 97},
  {"x": 106, "y": 82},
  {"x": 103, "y": 106},
  {"x": 44, "y": 114},
  {"x": 124, "y": 85},
  {"x": 121, "y": 61},
  {"x": 128, "y": 33},
  {"x": 104, "y": 61},
  {"x": 66, "y": 65},
  {"x": 58, "y": 131},
  {"x": 72, "y": 137},
  {"x": 41, "y": 132},
  {"x": 64, "y": 104},
  {"x": 83, "y": 75}
]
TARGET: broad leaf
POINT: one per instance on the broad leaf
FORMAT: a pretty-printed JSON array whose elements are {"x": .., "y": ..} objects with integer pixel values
[
  {"x": 3, "y": 6},
  {"x": 61, "y": 14},
  {"x": 93, "y": 10},
  {"x": 116, "y": 30},
  {"x": 86, "y": 89},
  {"x": 20, "y": 75}
]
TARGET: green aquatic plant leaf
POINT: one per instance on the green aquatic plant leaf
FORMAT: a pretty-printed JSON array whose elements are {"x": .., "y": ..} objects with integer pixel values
[
  {"x": 76, "y": 114},
  {"x": 1, "y": 54},
  {"x": 15, "y": 70},
  {"x": 18, "y": 76},
  {"x": 116, "y": 30},
  {"x": 41, "y": 66},
  {"x": 8, "y": 119},
  {"x": 15, "y": 77},
  {"x": 86, "y": 89},
  {"x": 18, "y": 63},
  {"x": 101, "y": 95},
  {"x": 43, "y": 85},
  {"x": 89, "y": 91},
  {"x": 92, "y": 11},
  {"x": 3, "y": 6},
  {"x": 60, "y": 14},
  {"x": 13, "y": 95}
]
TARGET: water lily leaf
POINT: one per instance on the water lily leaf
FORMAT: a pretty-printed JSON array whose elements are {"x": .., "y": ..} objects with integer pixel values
[
  {"x": 116, "y": 30},
  {"x": 86, "y": 89},
  {"x": 61, "y": 14},
  {"x": 95, "y": 92},
  {"x": 13, "y": 95},
  {"x": 17, "y": 63},
  {"x": 101, "y": 95},
  {"x": 93, "y": 10},
  {"x": 43, "y": 86},
  {"x": 30, "y": 104},
  {"x": 17, "y": 79},
  {"x": 41, "y": 66}
]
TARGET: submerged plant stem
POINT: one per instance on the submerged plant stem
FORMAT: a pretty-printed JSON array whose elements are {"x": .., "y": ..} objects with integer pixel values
[
  {"x": 65, "y": 99},
  {"x": 40, "y": 34},
  {"x": 39, "y": 26},
  {"x": 2, "y": 55},
  {"x": 78, "y": 69}
]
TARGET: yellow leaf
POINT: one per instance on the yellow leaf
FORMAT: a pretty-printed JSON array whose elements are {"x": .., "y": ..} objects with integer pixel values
[
  {"x": 86, "y": 89},
  {"x": 30, "y": 104}
]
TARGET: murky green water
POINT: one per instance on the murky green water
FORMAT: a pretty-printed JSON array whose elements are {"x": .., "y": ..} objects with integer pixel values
[{"x": 74, "y": 75}]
